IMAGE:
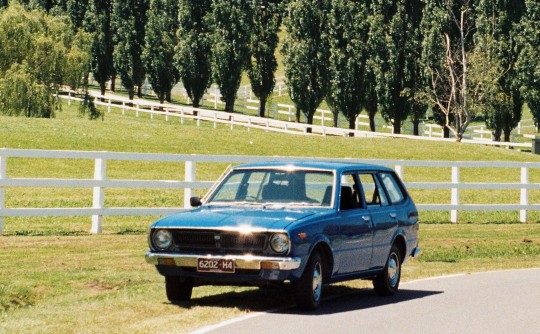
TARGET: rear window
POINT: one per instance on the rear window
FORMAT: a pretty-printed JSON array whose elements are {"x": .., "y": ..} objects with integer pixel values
[{"x": 392, "y": 188}]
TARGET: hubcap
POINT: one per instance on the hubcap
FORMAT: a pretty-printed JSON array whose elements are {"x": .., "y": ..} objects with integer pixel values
[
  {"x": 393, "y": 269},
  {"x": 317, "y": 282}
]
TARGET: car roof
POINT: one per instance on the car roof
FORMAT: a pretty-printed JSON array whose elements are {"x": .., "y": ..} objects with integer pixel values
[{"x": 340, "y": 166}]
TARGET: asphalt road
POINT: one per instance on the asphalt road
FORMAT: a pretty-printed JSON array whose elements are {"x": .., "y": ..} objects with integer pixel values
[{"x": 492, "y": 302}]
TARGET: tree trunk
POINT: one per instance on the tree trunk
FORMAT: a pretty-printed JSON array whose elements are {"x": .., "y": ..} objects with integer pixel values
[
  {"x": 113, "y": 82},
  {"x": 139, "y": 91},
  {"x": 372, "y": 126},
  {"x": 168, "y": 97},
  {"x": 309, "y": 120},
  {"x": 352, "y": 126},
  {"x": 397, "y": 127},
  {"x": 161, "y": 97},
  {"x": 416, "y": 127},
  {"x": 507, "y": 136},
  {"x": 335, "y": 118},
  {"x": 229, "y": 106},
  {"x": 102, "y": 88},
  {"x": 262, "y": 106},
  {"x": 297, "y": 115},
  {"x": 446, "y": 132}
]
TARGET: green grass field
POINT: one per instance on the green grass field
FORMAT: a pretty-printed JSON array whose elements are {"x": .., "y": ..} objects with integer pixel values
[{"x": 55, "y": 277}]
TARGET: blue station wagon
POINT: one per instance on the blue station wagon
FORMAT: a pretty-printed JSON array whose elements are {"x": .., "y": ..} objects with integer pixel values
[{"x": 296, "y": 224}]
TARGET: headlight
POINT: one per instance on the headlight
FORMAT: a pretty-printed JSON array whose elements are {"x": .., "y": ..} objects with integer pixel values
[
  {"x": 279, "y": 243},
  {"x": 162, "y": 239}
]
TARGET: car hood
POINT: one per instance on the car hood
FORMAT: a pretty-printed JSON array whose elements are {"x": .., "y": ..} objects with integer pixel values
[{"x": 236, "y": 218}]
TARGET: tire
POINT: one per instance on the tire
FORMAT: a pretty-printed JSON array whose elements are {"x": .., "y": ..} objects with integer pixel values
[
  {"x": 387, "y": 282},
  {"x": 308, "y": 289},
  {"x": 178, "y": 289}
]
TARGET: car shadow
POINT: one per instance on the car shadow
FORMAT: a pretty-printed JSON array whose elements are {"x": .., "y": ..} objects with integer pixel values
[
  {"x": 362, "y": 299},
  {"x": 336, "y": 299}
]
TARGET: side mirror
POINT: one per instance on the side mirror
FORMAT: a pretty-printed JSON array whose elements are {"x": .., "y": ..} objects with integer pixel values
[{"x": 195, "y": 201}]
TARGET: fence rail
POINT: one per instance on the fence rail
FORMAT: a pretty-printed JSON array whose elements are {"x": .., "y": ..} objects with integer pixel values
[{"x": 100, "y": 182}]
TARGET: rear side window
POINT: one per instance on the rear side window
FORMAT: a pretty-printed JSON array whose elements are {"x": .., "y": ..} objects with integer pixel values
[
  {"x": 392, "y": 188},
  {"x": 372, "y": 194}
]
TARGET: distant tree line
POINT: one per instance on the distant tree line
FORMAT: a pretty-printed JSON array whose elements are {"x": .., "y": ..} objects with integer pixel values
[{"x": 461, "y": 59}]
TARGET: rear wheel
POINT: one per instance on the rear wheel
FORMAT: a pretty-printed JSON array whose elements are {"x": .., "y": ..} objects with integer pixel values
[
  {"x": 178, "y": 289},
  {"x": 387, "y": 282},
  {"x": 308, "y": 288}
]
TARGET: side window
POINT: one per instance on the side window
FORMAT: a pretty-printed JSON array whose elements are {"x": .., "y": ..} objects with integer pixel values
[
  {"x": 371, "y": 188},
  {"x": 394, "y": 191},
  {"x": 349, "y": 196}
]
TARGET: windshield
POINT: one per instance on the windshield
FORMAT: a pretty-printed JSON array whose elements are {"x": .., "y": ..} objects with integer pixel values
[{"x": 267, "y": 187}]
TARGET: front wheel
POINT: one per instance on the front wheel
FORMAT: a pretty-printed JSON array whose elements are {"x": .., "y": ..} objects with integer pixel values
[
  {"x": 178, "y": 289},
  {"x": 387, "y": 282},
  {"x": 308, "y": 289}
]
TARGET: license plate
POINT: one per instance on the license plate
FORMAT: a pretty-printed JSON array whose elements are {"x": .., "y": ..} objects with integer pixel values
[{"x": 215, "y": 265}]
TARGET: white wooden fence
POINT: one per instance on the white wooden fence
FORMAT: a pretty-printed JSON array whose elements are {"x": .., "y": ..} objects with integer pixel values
[
  {"x": 100, "y": 182},
  {"x": 231, "y": 120}
]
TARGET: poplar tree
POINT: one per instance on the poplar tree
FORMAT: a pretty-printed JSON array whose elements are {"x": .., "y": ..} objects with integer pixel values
[
  {"x": 160, "y": 42},
  {"x": 306, "y": 55},
  {"x": 397, "y": 75},
  {"x": 194, "y": 47},
  {"x": 266, "y": 20},
  {"x": 76, "y": 9},
  {"x": 98, "y": 22},
  {"x": 230, "y": 46},
  {"x": 128, "y": 22},
  {"x": 529, "y": 58},
  {"x": 497, "y": 38},
  {"x": 348, "y": 33}
]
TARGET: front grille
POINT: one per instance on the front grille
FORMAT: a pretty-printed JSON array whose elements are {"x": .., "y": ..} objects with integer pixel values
[{"x": 220, "y": 241}]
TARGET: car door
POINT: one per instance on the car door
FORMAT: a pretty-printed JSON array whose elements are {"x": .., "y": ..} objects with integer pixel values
[
  {"x": 383, "y": 217},
  {"x": 355, "y": 228}
]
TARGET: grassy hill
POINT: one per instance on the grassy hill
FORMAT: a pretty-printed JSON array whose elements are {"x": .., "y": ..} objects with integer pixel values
[{"x": 57, "y": 278}]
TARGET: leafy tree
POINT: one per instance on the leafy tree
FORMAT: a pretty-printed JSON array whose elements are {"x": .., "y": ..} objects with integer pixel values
[
  {"x": 160, "y": 41},
  {"x": 38, "y": 54},
  {"x": 194, "y": 48},
  {"x": 3, "y": 3},
  {"x": 528, "y": 63},
  {"x": 128, "y": 23},
  {"x": 230, "y": 46},
  {"x": 266, "y": 20},
  {"x": 306, "y": 55},
  {"x": 498, "y": 30},
  {"x": 348, "y": 33},
  {"x": 397, "y": 74},
  {"x": 98, "y": 22}
]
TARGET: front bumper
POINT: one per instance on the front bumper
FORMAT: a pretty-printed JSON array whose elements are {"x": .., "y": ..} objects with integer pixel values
[{"x": 248, "y": 262}]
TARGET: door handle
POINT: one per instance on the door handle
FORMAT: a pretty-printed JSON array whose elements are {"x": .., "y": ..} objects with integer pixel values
[
  {"x": 366, "y": 218},
  {"x": 393, "y": 215}
]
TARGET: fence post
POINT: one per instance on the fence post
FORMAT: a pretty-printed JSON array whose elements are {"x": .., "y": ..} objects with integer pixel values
[
  {"x": 190, "y": 175},
  {"x": 399, "y": 171},
  {"x": 524, "y": 196},
  {"x": 455, "y": 194},
  {"x": 2, "y": 190},
  {"x": 99, "y": 195}
]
